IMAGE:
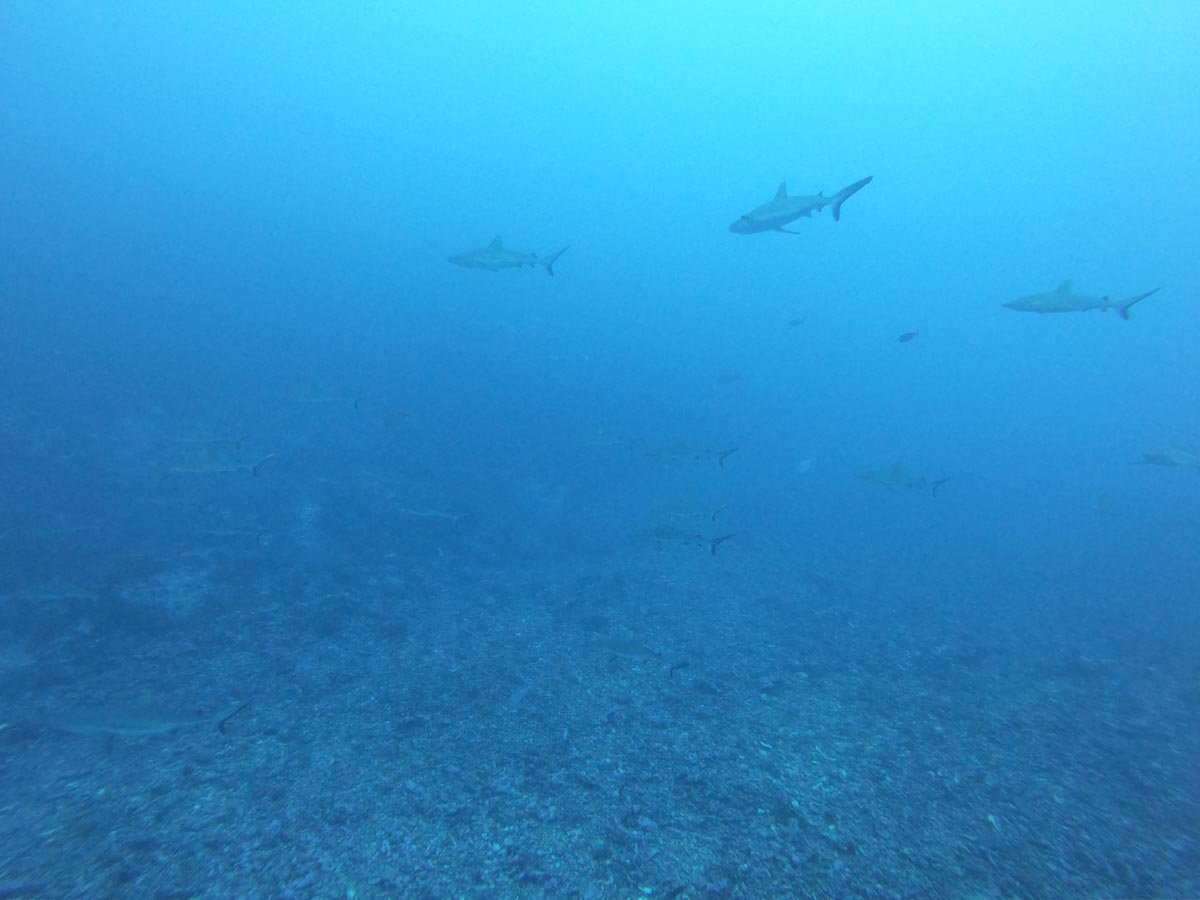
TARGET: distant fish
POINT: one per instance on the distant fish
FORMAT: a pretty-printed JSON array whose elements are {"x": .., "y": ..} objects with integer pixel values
[
  {"x": 495, "y": 256},
  {"x": 907, "y": 336},
  {"x": 682, "y": 452},
  {"x": 624, "y": 647},
  {"x": 257, "y": 534},
  {"x": 328, "y": 400},
  {"x": 670, "y": 534},
  {"x": 601, "y": 439},
  {"x": 235, "y": 441},
  {"x": 452, "y": 518},
  {"x": 217, "y": 467},
  {"x": 792, "y": 323},
  {"x": 684, "y": 512},
  {"x": 1061, "y": 300},
  {"x": 138, "y": 720},
  {"x": 895, "y": 477},
  {"x": 1178, "y": 457}
]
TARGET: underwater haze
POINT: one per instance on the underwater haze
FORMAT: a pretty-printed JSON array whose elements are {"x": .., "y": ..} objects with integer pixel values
[{"x": 599, "y": 451}]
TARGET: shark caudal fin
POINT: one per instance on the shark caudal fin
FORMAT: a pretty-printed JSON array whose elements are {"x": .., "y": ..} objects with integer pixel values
[
  {"x": 717, "y": 542},
  {"x": 1123, "y": 308},
  {"x": 254, "y": 468},
  {"x": 845, "y": 194},
  {"x": 548, "y": 261},
  {"x": 225, "y": 715}
]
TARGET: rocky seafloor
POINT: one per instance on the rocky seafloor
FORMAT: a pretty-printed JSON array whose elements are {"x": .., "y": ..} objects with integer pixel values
[{"x": 664, "y": 726}]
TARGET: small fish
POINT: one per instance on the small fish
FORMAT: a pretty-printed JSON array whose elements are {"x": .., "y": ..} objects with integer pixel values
[
  {"x": 907, "y": 336},
  {"x": 792, "y": 323}
]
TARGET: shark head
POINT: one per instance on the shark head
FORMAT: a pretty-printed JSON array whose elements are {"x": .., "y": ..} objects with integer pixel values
[
  {"x": 1025, "y": 304},
  {"x": 743, "y": 225}
]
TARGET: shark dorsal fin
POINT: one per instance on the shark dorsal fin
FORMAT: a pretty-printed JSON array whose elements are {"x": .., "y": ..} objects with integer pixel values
[
  {"x": 1064, "y": 288},
  {"x": 496, "y": 243},
  {"x": 781, "y": 194}
]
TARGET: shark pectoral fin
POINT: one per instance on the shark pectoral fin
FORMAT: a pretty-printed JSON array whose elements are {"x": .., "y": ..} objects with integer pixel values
[{"x": 785, "y": 231}]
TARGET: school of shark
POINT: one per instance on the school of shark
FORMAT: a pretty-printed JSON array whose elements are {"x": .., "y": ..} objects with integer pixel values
[{"x": 784, "y": 209}]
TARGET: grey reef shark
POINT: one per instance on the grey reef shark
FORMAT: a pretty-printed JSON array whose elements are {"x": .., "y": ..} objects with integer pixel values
[
  {"x": 783, "y": 209},
  {"x": 1061, "y": 300},
  {"x": 495, "y": 256}
]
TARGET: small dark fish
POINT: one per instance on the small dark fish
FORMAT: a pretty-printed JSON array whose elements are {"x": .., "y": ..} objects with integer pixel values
[
  {"x": 792, "y": 323},
  {"x": 908, "y": 336}
]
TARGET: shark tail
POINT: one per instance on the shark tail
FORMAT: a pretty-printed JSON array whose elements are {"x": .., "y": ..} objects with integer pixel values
[
  {"x": 937, "y": 484},
  {"x": 548, "y": 261},
  {"x": 717, "y": 542},
  {"x": 254, "y": 468},
  {"x": 1123, "y": 308},
  {"x": 845, "y": 194},
  {"x": 225, "y": 715}
]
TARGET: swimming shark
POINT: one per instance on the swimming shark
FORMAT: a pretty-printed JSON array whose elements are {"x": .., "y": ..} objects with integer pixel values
[
  {"x": 1062, "y": 300},
  {"x": 139, "y": 720},
  {"x": 681, "y": 452},
  {"x": 495, "y": 256},
  {"x": 783, "y": 209},
  {"x": 896, "y": 477},
  {"x": 217, "y": 467},
  {"x": 669, "y": 534},
  {"x": 1177, "y": 457}
]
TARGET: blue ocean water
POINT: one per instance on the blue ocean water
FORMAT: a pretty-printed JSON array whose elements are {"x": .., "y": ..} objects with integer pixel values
[{"x": 332, "y": 568}]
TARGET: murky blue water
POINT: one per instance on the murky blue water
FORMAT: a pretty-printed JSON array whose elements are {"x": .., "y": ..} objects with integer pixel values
[{"x": 717, "y": 565}]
